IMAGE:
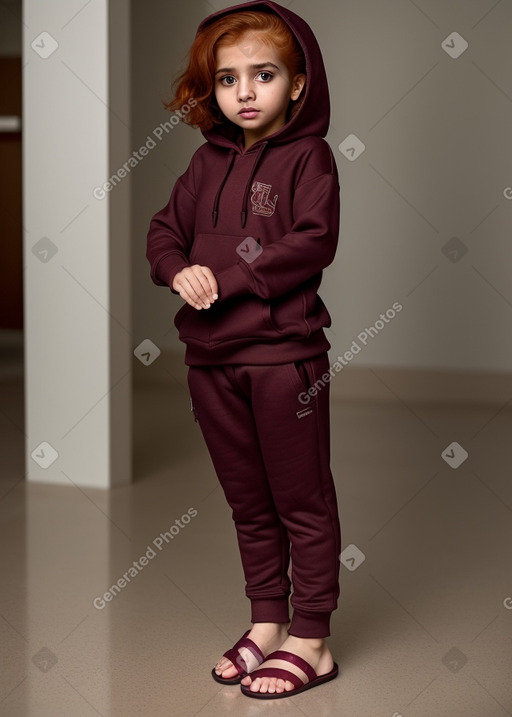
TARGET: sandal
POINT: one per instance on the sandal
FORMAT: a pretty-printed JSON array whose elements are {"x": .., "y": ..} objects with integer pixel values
[
  {"x": 298, "y": 683},
  {"x": 238, "y": 661}
]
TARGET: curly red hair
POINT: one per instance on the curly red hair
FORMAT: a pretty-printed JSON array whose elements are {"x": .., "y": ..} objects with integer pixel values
[{"x": 197, "y": 81}]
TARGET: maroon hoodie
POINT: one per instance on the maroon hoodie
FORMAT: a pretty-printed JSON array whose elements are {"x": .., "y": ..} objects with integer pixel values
[{"x": 265, "y": 220}]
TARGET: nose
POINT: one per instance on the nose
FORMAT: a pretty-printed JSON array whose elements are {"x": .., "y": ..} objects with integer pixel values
[{"x": 245, "y": 91}]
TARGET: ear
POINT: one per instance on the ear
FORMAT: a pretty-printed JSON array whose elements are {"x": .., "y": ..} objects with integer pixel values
[{"x": 298, "y": 83}]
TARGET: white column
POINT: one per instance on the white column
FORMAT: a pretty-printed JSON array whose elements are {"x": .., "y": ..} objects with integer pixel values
[{"x": 78, "y": 343}]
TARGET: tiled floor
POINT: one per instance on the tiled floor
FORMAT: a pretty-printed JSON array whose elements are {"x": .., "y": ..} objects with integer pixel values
[{"x": 424, "y": 626}]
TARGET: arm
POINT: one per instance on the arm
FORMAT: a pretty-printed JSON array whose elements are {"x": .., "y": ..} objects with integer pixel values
[
  {"x": 170, "y": 235},
  {"x": 302, "y": 253},
  {"x": 168, "y": 246}
]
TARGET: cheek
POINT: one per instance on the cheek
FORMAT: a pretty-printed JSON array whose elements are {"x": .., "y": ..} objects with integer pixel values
[
  {"x": 276, "y": 95},
  {"x": 222, "y": 97},
  {"x": 219, "y": 96}
]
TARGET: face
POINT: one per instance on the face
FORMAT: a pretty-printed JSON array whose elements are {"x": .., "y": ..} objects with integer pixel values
[{"x": 253, "y": 87}]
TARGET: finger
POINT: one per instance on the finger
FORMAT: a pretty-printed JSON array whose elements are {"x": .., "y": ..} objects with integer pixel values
[
  {"x": 205, "y": 293},
  {"x": 212, "y": 282},
  {"x": 187, "y": 295},
  {"x": 197, "y": 285},
  {"x": 192, "y": 291},
  {"x": 192, "y": 302}
]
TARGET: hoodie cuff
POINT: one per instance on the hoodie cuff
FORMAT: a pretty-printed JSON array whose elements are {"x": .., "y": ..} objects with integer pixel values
[
  {"x": 168, "y": 267},
  {"x": 232, "y": 282}
]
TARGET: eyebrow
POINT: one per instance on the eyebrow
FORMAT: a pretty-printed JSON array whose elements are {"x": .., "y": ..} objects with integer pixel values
[{"x": 259, "y": 66}]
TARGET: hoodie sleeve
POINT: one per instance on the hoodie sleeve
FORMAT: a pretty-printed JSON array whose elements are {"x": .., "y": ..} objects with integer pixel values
[
  {"x": 170, "y": 235},
  {"x": 300, "y": 254}
]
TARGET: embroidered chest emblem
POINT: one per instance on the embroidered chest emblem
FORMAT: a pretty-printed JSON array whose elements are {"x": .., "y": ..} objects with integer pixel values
[{"x": 260, "y": 199}]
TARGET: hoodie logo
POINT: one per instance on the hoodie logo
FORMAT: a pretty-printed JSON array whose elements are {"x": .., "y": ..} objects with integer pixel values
[{"x": 260, "y": 199}]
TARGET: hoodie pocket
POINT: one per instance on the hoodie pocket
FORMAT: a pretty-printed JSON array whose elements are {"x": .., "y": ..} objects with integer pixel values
[
  {"x": 216, "y": 251},
  {"x": 243, "y": 319},
  {"x": 249, "y": 317}
]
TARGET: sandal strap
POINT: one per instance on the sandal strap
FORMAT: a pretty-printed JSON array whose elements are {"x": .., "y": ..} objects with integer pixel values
[
  {"x": 236, "y": 658},
  {"x": 295, "y": 660},
  {"x": 279, "y": 673}
]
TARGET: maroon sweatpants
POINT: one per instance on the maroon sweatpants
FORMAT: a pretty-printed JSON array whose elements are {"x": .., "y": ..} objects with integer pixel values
[{"x": 271, "y": 453}]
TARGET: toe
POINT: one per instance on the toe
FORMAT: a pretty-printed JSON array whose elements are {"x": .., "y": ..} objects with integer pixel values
[
  {"x": 226, "y": 669},
  {"x": 264, "y": 685},
  {"x": 272, "y": 686}
]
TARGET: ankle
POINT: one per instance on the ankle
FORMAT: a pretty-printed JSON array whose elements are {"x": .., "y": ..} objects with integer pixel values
[
  {"x": 313, "y": 643},
  {"x": 270, "y": 630},
  {"x": 270, "y": 626}
]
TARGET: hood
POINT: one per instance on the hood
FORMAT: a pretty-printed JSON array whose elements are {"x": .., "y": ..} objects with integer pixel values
[{"x": 313, "y": 116}]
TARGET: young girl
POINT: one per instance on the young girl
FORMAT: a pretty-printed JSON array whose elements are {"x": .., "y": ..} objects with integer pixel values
[{"x": 244, "y": 238}]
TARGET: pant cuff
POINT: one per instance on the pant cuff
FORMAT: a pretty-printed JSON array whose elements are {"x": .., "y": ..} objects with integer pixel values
[
  {"x": 310, "y": 624},
  {"x": 270, "y": 610}
]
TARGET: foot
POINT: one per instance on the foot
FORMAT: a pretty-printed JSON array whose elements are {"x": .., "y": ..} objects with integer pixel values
[
  {"x": 313, "y": 650},
  {"x": 267, "y": 635}
]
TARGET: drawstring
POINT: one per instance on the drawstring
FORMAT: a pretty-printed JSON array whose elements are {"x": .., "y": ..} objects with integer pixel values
[
  {"x": 215, "y": 210},
  {"x": 231, "y": 159},
  {"x": 243, "y": 213}
]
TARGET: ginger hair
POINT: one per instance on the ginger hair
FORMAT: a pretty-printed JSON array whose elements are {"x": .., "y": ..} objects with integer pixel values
[{"x": 198, "y": 79}]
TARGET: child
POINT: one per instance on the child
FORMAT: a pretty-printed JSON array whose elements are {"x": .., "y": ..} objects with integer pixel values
[{"x": 244, "y": 238}]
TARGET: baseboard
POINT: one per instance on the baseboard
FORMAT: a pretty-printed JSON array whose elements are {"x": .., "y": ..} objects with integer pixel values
[
  {"x": 375, "y": 383},
  {"x": 422, "y": 386}
]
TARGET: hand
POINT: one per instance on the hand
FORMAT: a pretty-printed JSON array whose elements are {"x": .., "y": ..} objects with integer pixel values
[{"x": 197, "y": 285}]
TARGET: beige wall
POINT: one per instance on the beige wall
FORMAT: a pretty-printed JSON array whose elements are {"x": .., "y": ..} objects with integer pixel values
[
  {"x": 78, "y": 338},
  {"x": 436, "y": 166}
]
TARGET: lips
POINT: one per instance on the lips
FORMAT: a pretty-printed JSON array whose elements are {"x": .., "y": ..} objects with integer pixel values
[{"x": 248, "y": 112}]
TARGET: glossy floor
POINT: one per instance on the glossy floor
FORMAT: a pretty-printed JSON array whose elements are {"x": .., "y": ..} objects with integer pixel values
[{"x": 424, "y": 625}]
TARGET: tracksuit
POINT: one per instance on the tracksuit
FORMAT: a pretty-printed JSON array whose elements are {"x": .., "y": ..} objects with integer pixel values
[{"x": 265, "y": 220}]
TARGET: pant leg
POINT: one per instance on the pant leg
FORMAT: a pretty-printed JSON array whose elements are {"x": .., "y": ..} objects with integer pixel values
[
  {"x": 294, "y": 439},
  {"x": 224, "y": 414}
]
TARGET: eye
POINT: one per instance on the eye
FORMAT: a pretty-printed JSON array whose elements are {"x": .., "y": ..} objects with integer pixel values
[
  {"x": 265, "y": 76},
  {"x": 227, "y": 80}
]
